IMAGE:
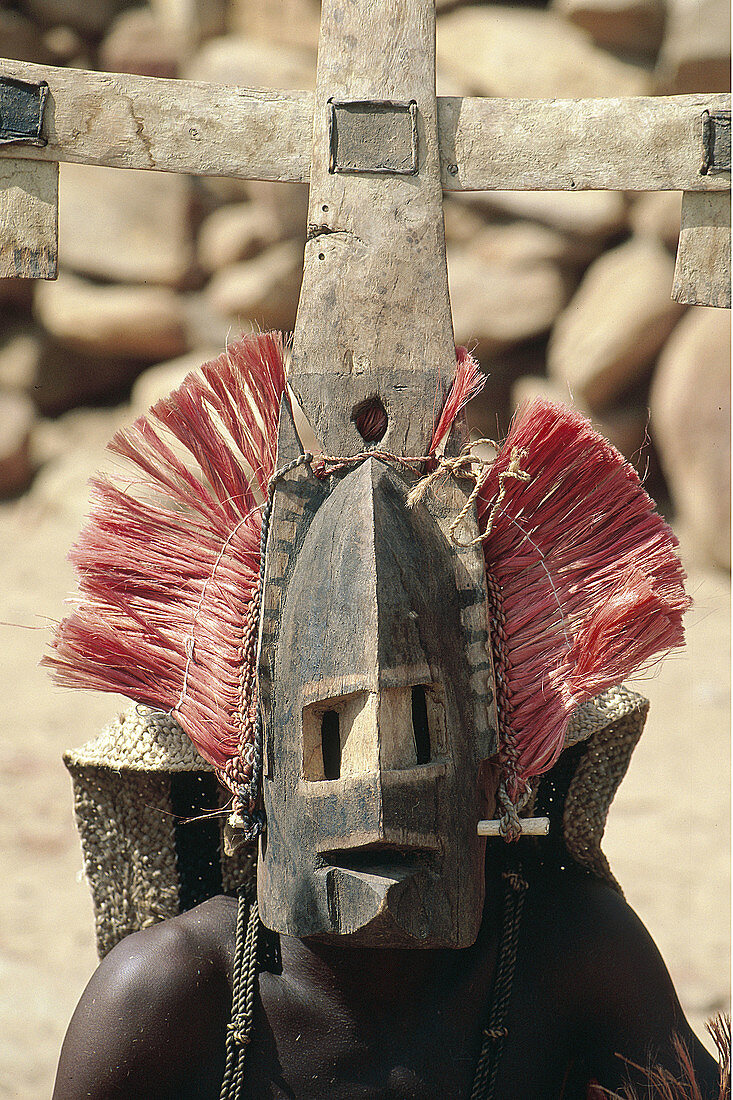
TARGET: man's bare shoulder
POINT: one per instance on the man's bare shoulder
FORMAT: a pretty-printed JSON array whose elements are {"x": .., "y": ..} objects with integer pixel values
[
  {"x": 185, "y": 952},
  {"x": 587, "y": 938},
  {"x": 159, "y": 995},
  {"x": 595, "y": 966}
]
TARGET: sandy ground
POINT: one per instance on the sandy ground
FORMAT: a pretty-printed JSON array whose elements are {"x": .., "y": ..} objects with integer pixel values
[{"x": 668, "y": 835}]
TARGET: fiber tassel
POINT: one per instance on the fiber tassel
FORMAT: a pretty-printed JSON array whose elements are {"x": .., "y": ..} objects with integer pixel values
[
  {"x": 169, "y": 562},
  {"x": 591, "y": 587},
  {"x": 662, "y": 1084},
  {"x": 468, "y": 382}
]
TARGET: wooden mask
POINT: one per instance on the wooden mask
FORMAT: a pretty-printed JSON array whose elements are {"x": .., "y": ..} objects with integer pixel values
[{"x": 374, "y": 685}]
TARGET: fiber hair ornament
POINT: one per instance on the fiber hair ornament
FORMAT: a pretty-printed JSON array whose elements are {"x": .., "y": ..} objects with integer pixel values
[{"x": 584, "y": 586}]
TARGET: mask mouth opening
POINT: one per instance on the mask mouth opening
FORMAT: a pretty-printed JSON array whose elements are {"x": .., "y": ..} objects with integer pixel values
[{"x": 386, "y": 860}]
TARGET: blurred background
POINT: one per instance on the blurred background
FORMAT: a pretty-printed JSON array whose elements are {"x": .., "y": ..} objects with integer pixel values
[{"x": 557, "y": 294}]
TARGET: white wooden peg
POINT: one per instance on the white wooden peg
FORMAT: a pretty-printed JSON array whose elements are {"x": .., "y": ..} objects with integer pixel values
[{"x": 531, "y": 826}]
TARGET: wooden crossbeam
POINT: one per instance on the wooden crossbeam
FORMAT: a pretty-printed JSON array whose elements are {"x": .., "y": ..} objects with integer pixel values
[{"x": 123, "y": 121}]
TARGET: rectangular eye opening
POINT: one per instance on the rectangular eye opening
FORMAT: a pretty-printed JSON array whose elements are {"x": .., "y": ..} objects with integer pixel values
[
  {"x": 421, "y": 725},
  {"x": 339, "y": 736},
  {"x": 331, "y": 744}
]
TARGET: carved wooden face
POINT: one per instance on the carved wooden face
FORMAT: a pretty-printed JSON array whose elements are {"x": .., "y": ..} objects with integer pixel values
[{"x": 374, "y": 732}]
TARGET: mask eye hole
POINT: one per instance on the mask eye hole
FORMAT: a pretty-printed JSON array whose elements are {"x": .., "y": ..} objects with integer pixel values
[
  {"x": 331, "y": 744},
  {"x": 421, "y": 725}
]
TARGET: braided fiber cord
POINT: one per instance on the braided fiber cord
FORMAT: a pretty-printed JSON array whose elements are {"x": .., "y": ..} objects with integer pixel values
[
  {"x": 244, "y": 987},
  {"x": 495, "y": 1033},
  {"x": 511, "y": 804}
]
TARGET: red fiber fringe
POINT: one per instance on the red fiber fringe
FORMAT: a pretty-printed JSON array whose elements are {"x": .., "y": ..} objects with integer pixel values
[
  {"x": 592, "y": 588},
  {"x": 166, "y": 581},
  {"x": 469, "y": 380}
]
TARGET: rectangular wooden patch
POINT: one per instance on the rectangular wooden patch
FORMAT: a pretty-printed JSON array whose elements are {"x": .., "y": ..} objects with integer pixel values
[{"x": 29, "y": 196}]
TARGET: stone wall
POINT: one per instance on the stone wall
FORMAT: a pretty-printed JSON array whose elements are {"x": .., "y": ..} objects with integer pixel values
[{"x": 558, "y": 294}]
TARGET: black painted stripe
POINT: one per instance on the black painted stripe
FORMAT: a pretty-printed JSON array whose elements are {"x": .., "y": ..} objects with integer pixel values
[
  {"x": 470, "y": 597},
  {"x": 303, "y": 488}
]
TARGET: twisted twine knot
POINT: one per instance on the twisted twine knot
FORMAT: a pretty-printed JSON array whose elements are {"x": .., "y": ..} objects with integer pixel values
[
  {"x": 516, "y": 881},
  {"x": 496, "y": 1033},
  {"x": 463, "y": 466},
  {"x": 235, "y": 1030}
]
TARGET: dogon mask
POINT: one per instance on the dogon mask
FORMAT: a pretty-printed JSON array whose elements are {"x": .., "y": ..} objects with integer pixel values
[{"x": 375, "y": 722}]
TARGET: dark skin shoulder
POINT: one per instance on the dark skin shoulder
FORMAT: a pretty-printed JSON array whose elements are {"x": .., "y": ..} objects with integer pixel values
[
  {"x": 153, "y": 1018},
  {"x": 589, "y": 965},
  {"x": 590, "y": 990}
]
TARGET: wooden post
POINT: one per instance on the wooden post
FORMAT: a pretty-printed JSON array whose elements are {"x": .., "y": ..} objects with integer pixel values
[
  {"x": 374, "y": 317},
  {"x": 29, "y": 195},
  {"x": 702, "y": 272}
]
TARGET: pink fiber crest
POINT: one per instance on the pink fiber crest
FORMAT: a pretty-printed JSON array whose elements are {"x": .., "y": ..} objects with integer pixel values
[
  {"x": 592, "y": 587},
  {"x": 170, "y": 559},
  {"x": 468, "y": 382}
]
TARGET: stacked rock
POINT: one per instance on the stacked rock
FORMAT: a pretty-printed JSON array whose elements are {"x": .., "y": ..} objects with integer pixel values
[{"x": 558, "y": 294}]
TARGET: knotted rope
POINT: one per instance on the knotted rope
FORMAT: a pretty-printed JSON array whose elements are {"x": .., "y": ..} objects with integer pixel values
[
  {"x": 462, "y": 466},
  {"x": 244, "y": 770},
  {"x": 496, "y": 1031},
  {"x": 510, "y": 825},
  {"x": 244, "y": 989}
]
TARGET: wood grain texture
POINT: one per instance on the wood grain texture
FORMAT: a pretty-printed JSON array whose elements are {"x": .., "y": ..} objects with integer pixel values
[
  {"x": 374, "y": 316},
  {"x": 126, "y": 121},
  {"x": 702, "y": 273},
  {"x": 29, "y": 195},
  {"x": 625, "y": 144}
]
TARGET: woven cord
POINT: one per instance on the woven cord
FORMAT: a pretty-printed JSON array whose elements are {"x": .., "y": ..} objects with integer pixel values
[
  {"x": 244, "y": 988},
  {"x": 511, "y": 804},
  {"x": 495, "y": 1033}
]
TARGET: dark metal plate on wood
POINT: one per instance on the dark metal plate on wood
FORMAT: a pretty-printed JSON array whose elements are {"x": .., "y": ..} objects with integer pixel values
[
  {"x": 715, "y": 142},
  {"x": 373, "y": 135},
  {"x": 21, "y": 111}
]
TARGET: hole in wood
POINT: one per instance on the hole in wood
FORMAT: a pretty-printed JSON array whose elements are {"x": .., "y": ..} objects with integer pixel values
[
  {"x": 370, "y": 418},
  {"x": 331, "y": 744},
  {"x": 356, "y": 737},
  {"x": 421, "y": 725}
]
